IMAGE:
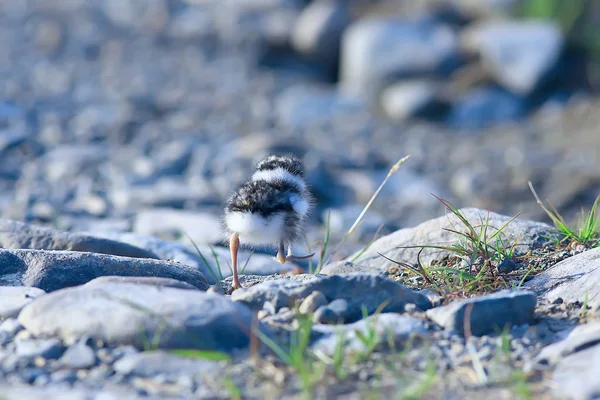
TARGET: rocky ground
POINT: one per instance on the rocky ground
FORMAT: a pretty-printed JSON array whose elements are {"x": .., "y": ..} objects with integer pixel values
[{"x": 124, "y": 124}]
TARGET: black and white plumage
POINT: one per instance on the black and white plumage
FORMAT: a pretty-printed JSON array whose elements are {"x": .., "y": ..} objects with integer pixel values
[{"x": 269, "y": 209}]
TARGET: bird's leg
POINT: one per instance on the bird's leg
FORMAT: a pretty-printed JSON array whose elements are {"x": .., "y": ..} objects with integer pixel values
[
  {"x": 234, "y": 245},
  {"x": 289, "y": 257},
  {"x": 280, "y": 254}
]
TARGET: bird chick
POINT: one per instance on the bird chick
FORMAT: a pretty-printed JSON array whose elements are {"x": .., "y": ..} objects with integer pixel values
[{"x": 269, "y": 210}]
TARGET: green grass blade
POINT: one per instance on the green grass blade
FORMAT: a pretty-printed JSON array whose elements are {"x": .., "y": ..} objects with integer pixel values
[
  {"x": 201, "y": 354},
  {"x": 204, "y": 260},
  {"x": 217, "y": 262},
  {"x": 325, "y": 243}
]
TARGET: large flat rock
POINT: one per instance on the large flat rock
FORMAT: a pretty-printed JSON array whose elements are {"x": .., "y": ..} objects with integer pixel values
[
  {"x": 142, "y": 316},
  {"x": 434, "y": 232},
  {"x": 575, "y": 279},
  {"x": 53, "y": 270},
  {"x": 18, "y": 235}
]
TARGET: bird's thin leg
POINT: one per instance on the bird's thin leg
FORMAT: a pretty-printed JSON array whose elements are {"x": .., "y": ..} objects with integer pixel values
[
  {"x": 290, "y": 257},
  {"x": 281, "y": 253},
  {"x": 234, "y": 245}
]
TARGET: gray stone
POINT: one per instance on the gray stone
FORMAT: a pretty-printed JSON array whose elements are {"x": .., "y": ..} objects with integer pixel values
[
  {"x": 18, "y": 235},
  {"x": 15, "y": 298},
  {"x": 60, "y": 392},
  {"x": 319, "y": 29},
  {"x": 386, "y": 326},
  {"x": 53, "y": 270},
  {"x": 203, "y": 228},
  {"x": 359, "y": 291},
  {"x": 259, "y": 264},
  {"x": 143, "y": 280},
  {"x": 336, "y": 311},
  {"x": 580, "y": 338},
  {"x": 488, "y": 314},
  {"x": 484, "y": 106},
  {"x": 67, "y": 376},
  {"x": 153, "y": 363},
  {"x": 375, "y": 50},
  {"x": 120, "y": 313},
  {"x": 10, "y": 326},
  {"x": 78, "y": 356},
  {"x": 519, "y": 54},
  {"x": 487, "y": 8},
  {"x": 414, "y": 98},
  {"x": 165, "y": 192},
  {"x": 303, "y": 106},
  {"x": 433, "y": 232},
  {"x": 575, "y": 279},
  {"x": 314, "y": 300},
  {"x": 46, "y": 348},
  {"x": 576, "y": 376}
]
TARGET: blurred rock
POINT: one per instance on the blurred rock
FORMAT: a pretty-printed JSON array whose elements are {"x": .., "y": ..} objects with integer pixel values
[
  {"x": 575, "y": 279},
  {"x": 416, "y": 98},
  {"x": 125, "y": 313},
  {"x": 153, "y": 363},
  {"x": 487, "y": 8},
  {"x": 518, "y": 54},
  {"x": 144, "y": 280},
  {"x": 15, "y": 298},
  {"x": 318, "y": 31},
  {"x": 203, "y": 228},
  {"x": 54, "y": 270},
  {"x": 357, "y": 291},
  {"x": 575, "y": 376},
  {"x": 487, "y": 314},
  {"x": 376, "y": 50},
  {"x": 395, "y": 327},
  {"x": 17, "y": 235},
  {"x": 306, "y": 106},
  {"x": 484, "y": 106}
]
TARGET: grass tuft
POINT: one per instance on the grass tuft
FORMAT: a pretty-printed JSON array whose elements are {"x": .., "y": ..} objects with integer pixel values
[{"x": 586, "y": 231}]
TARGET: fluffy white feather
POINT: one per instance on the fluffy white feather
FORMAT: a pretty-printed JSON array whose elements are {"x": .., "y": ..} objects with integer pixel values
[
  {"x": 300, "y": 204},
  {"x": 254, "y": 229},
  {"x": 281, "y": 175}
]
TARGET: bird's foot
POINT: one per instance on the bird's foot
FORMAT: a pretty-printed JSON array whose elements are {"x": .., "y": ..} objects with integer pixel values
[
  {"x": 291, "y": 257},
  {"x": 234, "y": 286}
]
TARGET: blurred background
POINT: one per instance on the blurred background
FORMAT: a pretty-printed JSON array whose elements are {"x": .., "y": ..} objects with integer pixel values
[{"x": 143, "y": 115}]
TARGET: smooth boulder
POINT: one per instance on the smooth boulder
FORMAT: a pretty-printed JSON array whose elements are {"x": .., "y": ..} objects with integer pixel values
[
  {"x": 141, "y": 315},
  {"x": 19, "y": 235},
  {"x": 53, "y": 270}
]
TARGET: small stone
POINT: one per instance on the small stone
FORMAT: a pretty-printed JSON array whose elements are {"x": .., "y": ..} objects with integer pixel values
[
  {"x": 406, "y": 100},
  {"x": 487, "y": 313},
  {"x": 79, "y": 356},
  {"x": 315, "y": 300},
  {"x": 333, "y": 313},
  {"x": 318, "y": 31},
  {"x": 63, "y": 376},
  {"x": 15, "y": 298},
  {"x": 46, "y": 348},
  {"x": 11, "y": 326},
  {"x": 507, "y": 265}
]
